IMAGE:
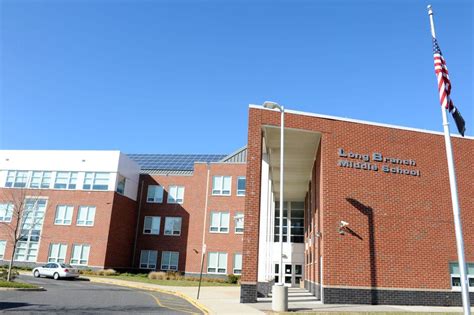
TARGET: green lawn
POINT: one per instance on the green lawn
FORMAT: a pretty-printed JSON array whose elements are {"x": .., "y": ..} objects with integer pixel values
[
  {"x": 22, "y": 285},
  {"x": 178, "y": 283}
]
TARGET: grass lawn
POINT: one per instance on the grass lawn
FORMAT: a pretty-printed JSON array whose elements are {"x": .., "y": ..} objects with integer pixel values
[
  {"x": 22, "y": 285},
  {"x": 177, "y": 283}
]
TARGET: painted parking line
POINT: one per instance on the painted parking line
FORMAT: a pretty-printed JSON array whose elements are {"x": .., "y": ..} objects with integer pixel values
[{"x": 170, "y": 302}]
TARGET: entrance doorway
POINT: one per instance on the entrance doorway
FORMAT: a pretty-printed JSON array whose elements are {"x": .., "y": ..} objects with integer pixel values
[{"x": 292, "y": 274}]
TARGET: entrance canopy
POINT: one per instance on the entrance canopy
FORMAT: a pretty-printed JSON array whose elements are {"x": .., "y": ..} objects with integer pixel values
[{"x": 300, "y": 151}]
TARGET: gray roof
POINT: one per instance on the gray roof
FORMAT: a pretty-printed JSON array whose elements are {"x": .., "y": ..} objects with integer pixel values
[
  {"x": 174, "y": 162},
  {"x": 239, "y": 156}
]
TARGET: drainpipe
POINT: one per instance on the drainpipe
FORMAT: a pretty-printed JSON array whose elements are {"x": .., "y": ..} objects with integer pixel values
[
  {"x": 203, "y": 248},
  {"x": 138, "y": 222}
]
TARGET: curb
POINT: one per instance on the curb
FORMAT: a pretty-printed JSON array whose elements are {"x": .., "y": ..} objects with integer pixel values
[
  {"x": 201, "y": 307},
  {"x": 23, "y": 289}
]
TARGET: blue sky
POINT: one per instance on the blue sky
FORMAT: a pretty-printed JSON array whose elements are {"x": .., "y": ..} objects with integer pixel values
[{"x": 177, "y": 76}]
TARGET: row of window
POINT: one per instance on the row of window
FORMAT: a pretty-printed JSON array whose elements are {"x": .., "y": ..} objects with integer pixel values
[
  {"x": 57, "y": 252},
  {"x": 221, "y": 186},
  {"x": 57, "y": 180},
  {"x": 216, "y": 261},
  {"x": 172, "y": 226},
  {"x": 63, "y": 216}
]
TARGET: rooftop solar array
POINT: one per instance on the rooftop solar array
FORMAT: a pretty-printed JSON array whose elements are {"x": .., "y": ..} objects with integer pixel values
[{"x": 181, "y": 162}]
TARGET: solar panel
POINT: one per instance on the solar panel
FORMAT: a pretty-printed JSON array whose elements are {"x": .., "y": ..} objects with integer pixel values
[{"x": 175, "y": 162}]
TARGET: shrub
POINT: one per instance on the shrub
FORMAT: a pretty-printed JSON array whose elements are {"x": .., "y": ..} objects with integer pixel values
[
  {"x": 4, "y": 274},
  {"x": 157, "y": 275},
  {"x": 233, "y": 278},
  {"x": 107, "y": 272}
]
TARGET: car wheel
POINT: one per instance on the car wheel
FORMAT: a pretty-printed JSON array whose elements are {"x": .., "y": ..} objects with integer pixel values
[
  {"x": 56, "y": 276},
  {"x": 36, "y": 274}
]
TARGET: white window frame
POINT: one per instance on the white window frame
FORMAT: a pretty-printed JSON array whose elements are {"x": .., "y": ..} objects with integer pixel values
[
  {"x": 71, "y": 180},
  {"x": 57, "y": 255},
  {"x": 65, "y": 217},
  {"x": 241, "y": 192},
  {"x": 81, "y": 260},
  {"x": 152, "y": 218},
  {"x": 86, "y": 222},
  {"x": 148, "y": 264},
  {"x": 6, "y": 211},
  {"x": 175, "y": 194},
  {"x": 168, "y": 262},
  {"x": 154, "y": 194},
  {"x": 222, "y": 226},
  {"x": 233, "y": 266},
  {"x": 92, "y": 177},
  {"x": 218, "y": 185},
  {"x": 45, "y": 179},
  {"x": 121, "y": 183},
  {"x": 217, "y": 268},
  {"x": 173, "y": 230},
  {"x": 3, "y": 246},
  {"x": 239, "y": 217},
  {"x": 456, "y": 275},
  {"x": 14, "y": 179}
]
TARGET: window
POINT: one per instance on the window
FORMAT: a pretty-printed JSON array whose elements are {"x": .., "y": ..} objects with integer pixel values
[
  {"x": 40, "y": 179},
  {"x": 63, "y": 215},
  {"x": 217, "y": 262},
  {"x": 220, "y": 222},
  {"x": 57, "y": 253},
  {"x": 221, "y": 185},
  {"x": 26, "y": 251},
  {"x": 239, "y": 222},
  {"x": 241, "y": 186},
  {"x": 176, "y": 194},
  {"x": 121, "y": 184},
  {"x": 456, "y": 276},
  {"x": 155, "y": 194},
  {"x": 96, "y": 181},
  {"x": 85, "y": 216},
  {"x": 237, "y": 264},
  {"x": 148, "y": 259},
  {"x": 6, "y": 212},
  {"x": 169, "y": 260},
  {"x": 173, "y": 226},
  {"x": 30, "y": 232},
  {"x": 3, "y": 245},
  {"x": 80, "y": 254},
  {"x": 152, "y": 225},
  {"x": 65, "y": 180},
  {"x": 16, "y": 179}
]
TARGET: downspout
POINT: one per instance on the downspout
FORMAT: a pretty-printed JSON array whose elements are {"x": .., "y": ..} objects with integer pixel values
[
  {"x": 203, "y": 248},
  {"x": 138, "y": 223}
]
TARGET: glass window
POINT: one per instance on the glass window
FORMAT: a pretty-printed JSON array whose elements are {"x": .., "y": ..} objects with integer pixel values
[
  {"x": 6, "y": 212},
  {"x": 220, "y": 222},
  {"x": 155, "y": 194},
  {"x": 121, "y": 184},
  {"x": 217, "y": 262},
  {"x": 57, "y": 253},
  {"x": 3, "y": 245},
  {"x": 80, "y": 254},
  {"x": 241, "y": 186},
  {"x": 85, "y": 216},
  {"x": 239, "y": 222},
  {"x": 65, "y": 180},
  {"x": 176, "y": 194},
  {"x": 40, "y": 179},
  {"x": 237, "y": 264},
  {"x": 173, "y": 226},
  {"x": 63, "y": 215},
  {"x": 221, "y": 185},
  {"x": 17, "y": 179},
  {"x": 96, "y": 181},
  {"x": 152, "y": 225},
  {"x": 456, "y": 276},
  {"x": 10, "y": 179},
  {"x": 169, "y": 260},
  {"x": 148, "y": 259}
]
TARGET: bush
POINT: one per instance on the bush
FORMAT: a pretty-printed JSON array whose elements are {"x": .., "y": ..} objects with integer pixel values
[
  {"x": 157, "y": 275},
  {"x": 107, "y": 272},
  {"x": 4, "y": 274},
  {"x": 233, "y": 278}
]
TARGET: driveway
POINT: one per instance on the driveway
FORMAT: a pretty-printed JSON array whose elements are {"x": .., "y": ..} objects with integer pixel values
[{"x": 84, "y": 297}]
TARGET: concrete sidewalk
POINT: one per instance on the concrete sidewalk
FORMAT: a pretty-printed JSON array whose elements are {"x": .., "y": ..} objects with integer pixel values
[{"x": 212, "y": 300}]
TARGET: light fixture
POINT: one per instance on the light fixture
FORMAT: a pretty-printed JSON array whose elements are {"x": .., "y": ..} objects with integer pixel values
[{"x": 342, "y": 227}]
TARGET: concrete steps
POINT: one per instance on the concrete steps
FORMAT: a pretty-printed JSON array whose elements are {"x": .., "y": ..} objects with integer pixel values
[{"x": 295, "y": 295}]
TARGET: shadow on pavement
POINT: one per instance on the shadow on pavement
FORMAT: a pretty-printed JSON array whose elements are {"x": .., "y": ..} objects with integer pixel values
[{"x": 10, "y": 305}]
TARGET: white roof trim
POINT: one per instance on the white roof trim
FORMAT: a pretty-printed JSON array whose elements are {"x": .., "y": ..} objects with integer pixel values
[{"x": 360, "y": 121}]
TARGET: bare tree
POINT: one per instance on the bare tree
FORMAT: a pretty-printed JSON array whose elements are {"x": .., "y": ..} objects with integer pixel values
[{"x": 21, "y": 218}]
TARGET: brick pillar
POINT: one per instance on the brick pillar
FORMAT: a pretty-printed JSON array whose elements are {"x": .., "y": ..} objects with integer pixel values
[{"x": 248, "y": 288}]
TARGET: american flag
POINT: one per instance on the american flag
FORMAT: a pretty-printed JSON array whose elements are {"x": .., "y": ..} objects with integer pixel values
[{"x": 444, "y": 87}]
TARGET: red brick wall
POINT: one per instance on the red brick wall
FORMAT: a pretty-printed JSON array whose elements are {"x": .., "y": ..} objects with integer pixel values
[{"x": 403, "y": 232}]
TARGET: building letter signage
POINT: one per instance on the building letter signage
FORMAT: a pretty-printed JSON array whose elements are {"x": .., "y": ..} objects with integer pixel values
[{"x": 390, "y": 165}]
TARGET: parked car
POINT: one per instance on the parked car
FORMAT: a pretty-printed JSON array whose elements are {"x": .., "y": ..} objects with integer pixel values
[{"x": 56, "y": 270}]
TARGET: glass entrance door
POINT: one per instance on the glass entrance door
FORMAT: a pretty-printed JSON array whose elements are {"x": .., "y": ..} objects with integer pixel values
[{"x": 292, "y": 274}]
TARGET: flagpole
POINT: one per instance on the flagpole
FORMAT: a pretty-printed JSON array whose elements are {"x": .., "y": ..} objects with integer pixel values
[{"x": 454, "y": 198}]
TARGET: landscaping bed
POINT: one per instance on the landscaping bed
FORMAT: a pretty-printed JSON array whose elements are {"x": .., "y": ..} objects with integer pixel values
[{"x": 17, "y": 285}]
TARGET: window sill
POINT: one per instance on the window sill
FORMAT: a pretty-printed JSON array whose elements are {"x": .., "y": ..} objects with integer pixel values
[{"x": 216, "y": 232}]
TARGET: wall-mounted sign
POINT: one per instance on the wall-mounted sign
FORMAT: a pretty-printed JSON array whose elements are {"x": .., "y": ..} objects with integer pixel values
[{"x": 377, "y": 161}]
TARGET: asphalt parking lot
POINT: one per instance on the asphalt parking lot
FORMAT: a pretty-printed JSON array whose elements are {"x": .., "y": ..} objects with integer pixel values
[{"x": 84, "y": 297}]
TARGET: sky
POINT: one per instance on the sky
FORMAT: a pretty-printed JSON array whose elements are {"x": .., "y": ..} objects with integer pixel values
[{"x": 177, "y": 76}]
